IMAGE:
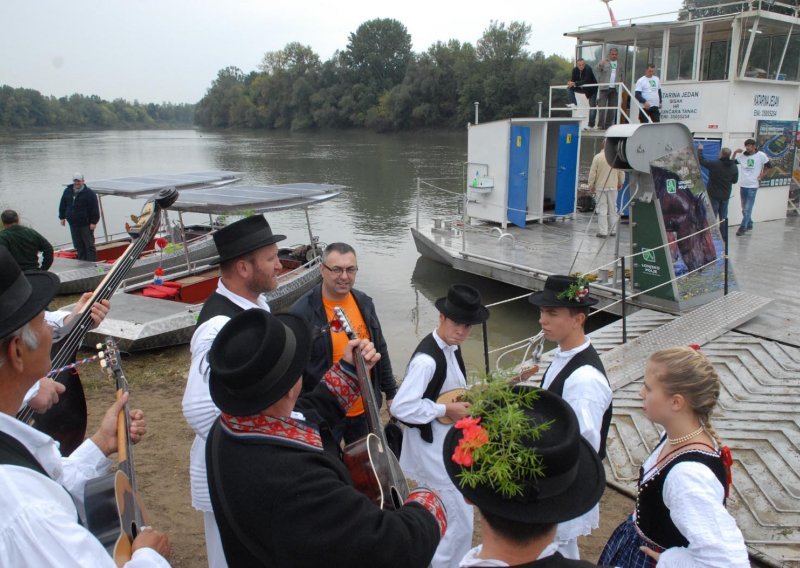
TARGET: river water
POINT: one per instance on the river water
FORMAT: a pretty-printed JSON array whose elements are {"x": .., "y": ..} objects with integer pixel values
[{"x": 373, "y": 213}]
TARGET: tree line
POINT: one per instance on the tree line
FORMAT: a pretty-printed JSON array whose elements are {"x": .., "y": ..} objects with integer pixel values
[
  {"x": 25, "y": 108},
  {"x": 378, "y": 82}
]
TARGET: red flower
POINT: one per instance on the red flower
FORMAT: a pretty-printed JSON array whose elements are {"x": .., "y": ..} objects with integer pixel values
[
  {"x": 694, "y": 346},
  {"x": 463, "y": 456},
  {"x": 159, "y": 271},
  {"x": 161, "y": 242},
  {"x": 468, "y": 422},
  {"x": 474, "y": 437}
]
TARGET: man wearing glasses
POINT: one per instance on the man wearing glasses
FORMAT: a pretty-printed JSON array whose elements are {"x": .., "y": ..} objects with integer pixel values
[{"x": 339, "y": 268}]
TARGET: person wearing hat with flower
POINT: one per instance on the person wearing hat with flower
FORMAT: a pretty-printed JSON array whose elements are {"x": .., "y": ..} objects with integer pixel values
[
  {"x": 79, "y": 207},
  {"x": 249, "y": 265},
  {"x": 578, "y": 376},
  {"x": 522, "y": 461},
  {"x": 281, "y": 493},
  {"x": 435, "y": 367},
  {"x": 39, "y": 489}
]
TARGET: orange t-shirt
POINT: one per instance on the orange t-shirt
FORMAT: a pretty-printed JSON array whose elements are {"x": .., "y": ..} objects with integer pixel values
[{"x": 339, "y": 340}]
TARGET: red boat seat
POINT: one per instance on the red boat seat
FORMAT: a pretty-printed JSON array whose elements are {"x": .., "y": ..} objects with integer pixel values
[
  {"x": 65, "y": 254},
  {"x": 162, "y": 291}
]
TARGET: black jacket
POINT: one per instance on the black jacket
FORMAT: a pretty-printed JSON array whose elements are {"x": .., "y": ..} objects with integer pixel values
[
  {"x": 584, "y": 77},
  {"x": 722, "y": 174},
  {"x": 79, "y": 209},
  {"x": 310, "y": 307}
]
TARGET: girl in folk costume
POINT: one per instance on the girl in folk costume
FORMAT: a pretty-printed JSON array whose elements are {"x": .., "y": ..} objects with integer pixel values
[{"x": 680, "y": 517}]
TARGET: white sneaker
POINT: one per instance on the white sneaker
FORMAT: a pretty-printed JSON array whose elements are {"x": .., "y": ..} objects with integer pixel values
[{"x": 571, "y": 105}]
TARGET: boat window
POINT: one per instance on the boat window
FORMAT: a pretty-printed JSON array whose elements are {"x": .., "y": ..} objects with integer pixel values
[
  {"x": 592, "y": 53},
  {"x": 775, "y": 53},
  {"x": 649, "y": 50},
  {"x": 716, "y": 49},
  {"x": 680, "y": 64}
]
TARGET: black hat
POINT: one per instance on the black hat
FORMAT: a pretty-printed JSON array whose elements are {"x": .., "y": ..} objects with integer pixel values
[
  {"x": 243, "y": 236},
  {"x": 255, "y": 359},
  {"x": 556, "y": 286},
  {"x": 573, "y": 477},
  {"x": 22, "y": 294},
  {"x": 463, "y": 305}
]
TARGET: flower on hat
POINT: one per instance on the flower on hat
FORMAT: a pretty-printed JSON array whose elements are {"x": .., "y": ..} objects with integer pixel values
[
  {"x": 577, "y": 291},
  {"x": 474, "y": 436}
]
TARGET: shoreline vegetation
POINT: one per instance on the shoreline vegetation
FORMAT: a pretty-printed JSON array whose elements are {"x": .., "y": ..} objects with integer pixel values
[{"x": 376, "y": 82}]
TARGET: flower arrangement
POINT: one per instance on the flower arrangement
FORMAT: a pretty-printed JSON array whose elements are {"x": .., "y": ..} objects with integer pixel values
[
  {"x": 495, "y": 447},
  {"x": 577, "y": 291}
]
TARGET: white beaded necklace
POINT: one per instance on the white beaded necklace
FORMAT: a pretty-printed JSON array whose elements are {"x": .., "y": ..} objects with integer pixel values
[{"x": 687, "y": 437}]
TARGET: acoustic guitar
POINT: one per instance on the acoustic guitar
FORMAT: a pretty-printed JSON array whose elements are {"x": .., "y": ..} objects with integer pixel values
[
  {"x": 458, "y": 395},
  {"x": 373, "y": 466},
  {"x": 114, "y": 510},
  {"x": 66, "y": 420}
]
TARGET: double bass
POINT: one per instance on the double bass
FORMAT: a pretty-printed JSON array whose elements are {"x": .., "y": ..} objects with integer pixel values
[
  {"x": 372, "y": 465},
  {"x": 66, "y": 420}
]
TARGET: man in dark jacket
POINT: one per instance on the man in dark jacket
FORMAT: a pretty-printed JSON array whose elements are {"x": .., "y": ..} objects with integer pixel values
[
  {"x": 583, "y": 75},
  {"x": 339, "y": 268},
  {"x": 24, "y": 243},
  {"x": 280, "y": 491},
  {"x": 722, "y": 174},
  {"x": 80, "y": 209}
]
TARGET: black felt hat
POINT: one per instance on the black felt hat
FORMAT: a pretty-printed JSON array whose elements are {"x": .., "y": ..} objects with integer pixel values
[
  {"x": 463, "y": 305},
  {"x": 22, "y": 294},
  {"x": 255, "y": 359},
  {"x": 243, "y": 236},
  {"x": 558, "y": 285},
  {"x": 573, "y": 477}
]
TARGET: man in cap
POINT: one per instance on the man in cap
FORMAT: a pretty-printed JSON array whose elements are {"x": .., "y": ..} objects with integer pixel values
[
  {"x": 249, "y": 265},
  {"x": 281, "y": 494},
  {"x": 339, "y": 269},
  {"x": 519, "y": 530},
  {"x": 578, "y": 376},
  {"x": 38, "y": 488},
  {"x": 24, "y": 243},
  {"x": 79, "y": 208},
  {"x": 435, "y": 367}
]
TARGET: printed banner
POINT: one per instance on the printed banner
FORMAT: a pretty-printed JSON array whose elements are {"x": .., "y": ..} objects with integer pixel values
[{"x": 776, "y": 138}]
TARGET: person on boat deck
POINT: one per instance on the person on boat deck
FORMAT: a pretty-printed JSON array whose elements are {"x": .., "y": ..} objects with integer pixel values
[
  {"x": 605, "y": 182},
  {"x": 79, "y": 208},
  {"x": 249, "y": 265},
  {"x": 577, "y": 375},
  {"x": 722, "y": 174},
  {"x": 436, "y": 367},
  {"x": 39, "y": 489},
  {"x": 753, "y": 164},
  {"x": 281, "y": 493},
  {"x": 648, "y": 92},
  {"x": 580, "y": 81},
  {"x": 24, "y": 243},
  {"x": 680, "y": 518},
  {"x": 339, "y": 269},
  {"x": 520, "y": 530},
  {"x": 612, "y": 72}
]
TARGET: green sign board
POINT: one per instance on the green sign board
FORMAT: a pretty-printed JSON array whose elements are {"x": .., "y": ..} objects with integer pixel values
[{"x": 652, "y": 267}]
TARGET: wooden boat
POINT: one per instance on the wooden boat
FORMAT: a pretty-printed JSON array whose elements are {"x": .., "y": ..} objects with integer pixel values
[
  {"x": 83, "y": 276},
  {"x": 145, "y": 315}
]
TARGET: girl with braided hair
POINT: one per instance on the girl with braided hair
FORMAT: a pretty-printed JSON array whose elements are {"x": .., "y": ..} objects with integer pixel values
[{"x": 680, "y": 517}]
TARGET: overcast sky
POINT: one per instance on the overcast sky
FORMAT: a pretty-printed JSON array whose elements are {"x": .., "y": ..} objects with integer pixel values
[{"x": 171, "y": 50}]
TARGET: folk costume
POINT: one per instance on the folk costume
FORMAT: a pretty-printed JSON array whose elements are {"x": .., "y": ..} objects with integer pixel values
[
  {"x": 571, "y": 483},
  {"x": 40, "y": 491},
  {"x": 680, "y": 512},
  {"x": 578, "y": 376},
  {"x": 281, "y": 494},
  {"x": 232, "y": 241},
  {"x": 437, "y": 367}
]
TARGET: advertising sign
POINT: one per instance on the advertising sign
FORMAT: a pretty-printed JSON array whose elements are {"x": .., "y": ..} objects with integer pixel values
[
  {"x": 680, "y": 104},
  {"x": 777, "y": 139}
]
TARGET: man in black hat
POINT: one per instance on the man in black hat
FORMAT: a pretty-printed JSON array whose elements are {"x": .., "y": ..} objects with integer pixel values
[
  {"x": 281, "y": 494},
  {"x": 37, "y": 486},
  {"x": 578, "y": 376},
  {"x": 249, "y": 265},
  {"x": 435, "y": 367},
  {"x": 519, "y": 531}
]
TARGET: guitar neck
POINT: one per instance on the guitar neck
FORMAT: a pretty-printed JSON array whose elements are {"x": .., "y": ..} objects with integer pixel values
[{"x": 371, "y": 407}]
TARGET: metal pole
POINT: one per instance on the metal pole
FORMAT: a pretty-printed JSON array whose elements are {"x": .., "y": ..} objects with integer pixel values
[
  {"x": 624, "y": 321},
  {"x": 183, "y": 240},
  {"x": 310, "y": 234},
  {"x": 417, "y": 203},
  {"x": 540, "y": 109},
  {"x": 477, "y": 104},
  {"x": 485, "y": 346},
  {"x": 725, "y": 241},
  {"x": 102, "y": 216}
]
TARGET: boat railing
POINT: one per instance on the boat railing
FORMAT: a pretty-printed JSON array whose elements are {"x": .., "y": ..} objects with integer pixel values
[
  {"x": 315, "y": 261},
  {"x": 619, "y": 109}
]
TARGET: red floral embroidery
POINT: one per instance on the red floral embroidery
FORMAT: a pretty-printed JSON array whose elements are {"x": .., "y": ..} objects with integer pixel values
[
  {"x": 270, "y": 426},
  {"x": 432, "y": 503},
  {"x": 343, "y": 385},
  {"x": 474, "y": 436}
]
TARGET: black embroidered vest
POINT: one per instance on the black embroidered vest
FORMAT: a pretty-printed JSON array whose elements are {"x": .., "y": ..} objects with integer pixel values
[
  {"x": 652, "y": 515},
  {"x": 589, "y": 357},
  {"x": 428, "y": 346},
  {"x": 217, "y": 305}
]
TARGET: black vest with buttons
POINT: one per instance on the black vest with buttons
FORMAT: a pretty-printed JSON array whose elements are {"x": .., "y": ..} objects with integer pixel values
[
  {"x": 428, "y": 346},
  {"x": 652, "y": 515},
  {"x": 218, "y": 305},
  {"x": 589, "y": 357}
]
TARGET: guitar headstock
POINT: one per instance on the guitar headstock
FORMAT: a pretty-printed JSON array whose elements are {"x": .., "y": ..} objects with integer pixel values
[
  {"x": 341, "y": 323},
  {"x": 109, "y": 356}
]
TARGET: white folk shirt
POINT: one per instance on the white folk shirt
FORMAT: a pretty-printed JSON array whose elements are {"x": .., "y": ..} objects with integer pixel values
[
  {"x": 198, "y": 408},
  {"x": 750, "y": 168},
  {"x": 39, "y": 525},
  {"x": 694, "y": 496},
  {"x": 471, "y": 560},
  {"x": 649, "y": 87},
  {"x": 588, "y": 393}
]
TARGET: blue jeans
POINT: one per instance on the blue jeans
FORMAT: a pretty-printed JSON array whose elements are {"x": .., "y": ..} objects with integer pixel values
[
  {"x": 720, "y": 208},
  {"x": 592, "y": 102},
  {"x": 748, "y": 195}
]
